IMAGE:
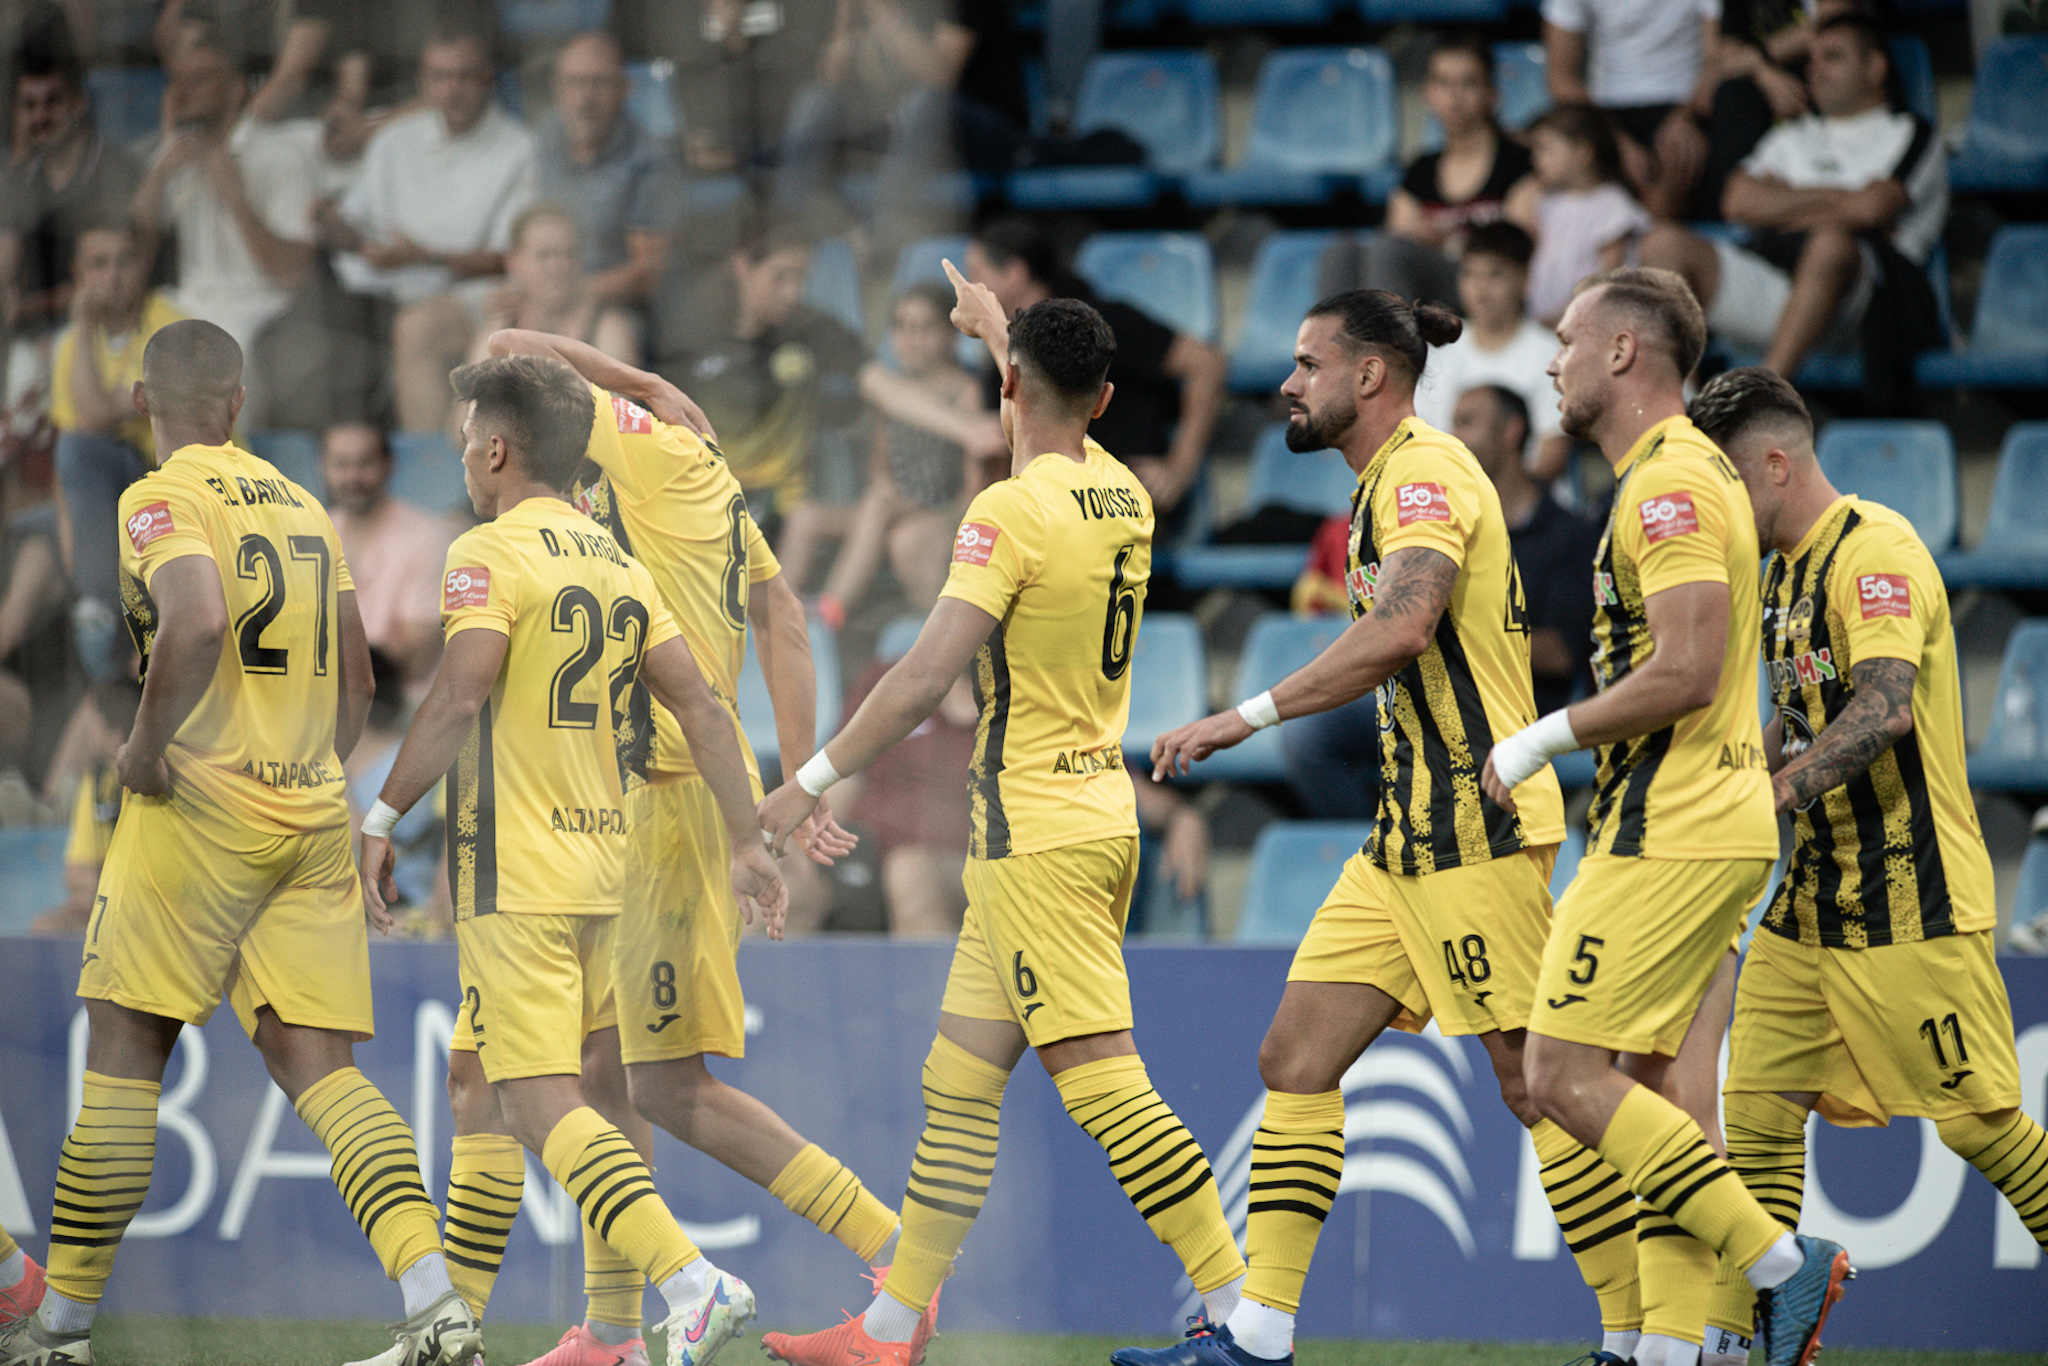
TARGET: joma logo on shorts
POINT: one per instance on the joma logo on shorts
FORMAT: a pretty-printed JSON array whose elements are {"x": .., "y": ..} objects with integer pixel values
[{"x": 585, "y": 820}]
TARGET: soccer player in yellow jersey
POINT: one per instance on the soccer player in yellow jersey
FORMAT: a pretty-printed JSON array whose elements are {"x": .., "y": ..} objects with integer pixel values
[
  {"x": 549, "y": 627},
  {"x": 230, "y": 873},
  {"x": 1445, "y": 911},
  {"x": 1872, "y": 989},
  {"x": 1043, "y": 602},
  {"x": 1683, "y": 836}
]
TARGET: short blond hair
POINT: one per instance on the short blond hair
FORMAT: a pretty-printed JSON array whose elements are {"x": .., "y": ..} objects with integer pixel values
[{"x": 1662, "y": 299}]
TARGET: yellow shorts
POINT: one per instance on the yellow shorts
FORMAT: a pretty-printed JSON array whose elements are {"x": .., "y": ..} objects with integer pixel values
[
  {"x": 1905, "y": 1029},
  {"x": 1633, "y": 945},
  {"x": 676, "y": 955},
  {"x": 194, "y": 905},
  {"x": 1462, "y": 944},
  {"x": 1042, "y": 942},
  {"x": 532, "y": 987}
]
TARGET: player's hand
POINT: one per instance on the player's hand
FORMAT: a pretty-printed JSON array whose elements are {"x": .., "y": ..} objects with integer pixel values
[
  {"x": 1175, "y": 752},
  {"x": 975, "y": 310},
  {"x": 1489, "y": 780},
  {"x": 758, "y": 884},
  {"x": 781, "y": 812},
  {"x": 671, "y": 405},
  {"x": 823, "y": 839},
  {"x": 1186, "y": 853},
  {"x": 145, "y": 774},
  {"x": 397, "y": 253},
  {"x": 380, "y": 884}
]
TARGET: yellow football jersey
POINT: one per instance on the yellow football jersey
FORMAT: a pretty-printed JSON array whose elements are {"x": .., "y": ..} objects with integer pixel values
[
  {"x": 1060, "y": 555},
  {"x": 1440, "y": 716},
  {"x": 1895, "y": 854},
  {"x": 667, "y": 497},
  {"x": 536, "y": 802},
  {"x": 260, "y": 744},
  {"x": 1698, "y": 789}
]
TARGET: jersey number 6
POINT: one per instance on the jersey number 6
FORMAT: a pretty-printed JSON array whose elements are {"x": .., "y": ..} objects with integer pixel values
[{"x": 1120, "y": 627}]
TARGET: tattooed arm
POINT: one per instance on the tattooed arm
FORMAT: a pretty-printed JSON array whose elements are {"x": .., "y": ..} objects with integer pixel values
[
  {"x": 1414, "y": 589},
  {"x": 1879, "y": 715}
]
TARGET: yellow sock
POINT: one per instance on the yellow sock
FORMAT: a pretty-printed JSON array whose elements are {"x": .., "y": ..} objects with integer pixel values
[
  {"x": 949, "y": 1176},
  {"x": 1677, "y": 1272},
  {"x": 1157, "y": 1162},
  {"x": 2012, "y": 1152},
  {"x": 376, "y": 1167},
  {"x": 1297, "y": 1161},
  {"x": 102, "y": 1177},
  {"x": 1597, "y": 1216},
  {"x": 611, "y": 1185},
  {"x": 1767, "y": 1149},
  {"x": 1662, "y": 1155},
  {"x": 614, "y": 1286},
  {"x": 818, "y": 1187},
  {"x": 485, "y": 1180}
]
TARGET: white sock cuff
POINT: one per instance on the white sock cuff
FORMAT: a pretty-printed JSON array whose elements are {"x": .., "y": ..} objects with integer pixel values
[
  {"x": 1778, "y": 1265},
  {"x": 1261, "y": 1330},
  {"x": 611, "y": 1334},
  {"x": 424, "y": 1282},
  {"x": 62, "y": 1314},
  {"x": 889, "y": 1319}
]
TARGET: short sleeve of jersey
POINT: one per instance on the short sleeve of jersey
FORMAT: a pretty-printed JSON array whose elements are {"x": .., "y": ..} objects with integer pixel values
[
  {"x": 1416, "y": 504},
  {"x": 625, "y": 441},
  {"x": 761, "y": 562},
  {"x": 1885, "y": 588},
  {"x": 160, "y": 522},
  {"x": 479, "y": 586},
  {"x": 997, "y": 551},
  {"x": 1673, "y": 523}
]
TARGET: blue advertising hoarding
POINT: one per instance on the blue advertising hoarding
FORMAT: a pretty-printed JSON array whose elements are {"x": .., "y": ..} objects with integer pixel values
[{"x": 1442, "y": 1230}]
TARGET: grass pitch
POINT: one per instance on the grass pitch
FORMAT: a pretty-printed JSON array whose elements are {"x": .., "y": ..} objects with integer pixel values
[{"x": 139, "y": 1341}]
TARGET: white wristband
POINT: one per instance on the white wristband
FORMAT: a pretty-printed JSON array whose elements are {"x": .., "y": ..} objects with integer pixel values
[
  {"x": 817, "y": 774},
  {"x": 1517, "y": 758},
  {"x": 1259, "y": 712},
  {"x": 380, "y": 818}
]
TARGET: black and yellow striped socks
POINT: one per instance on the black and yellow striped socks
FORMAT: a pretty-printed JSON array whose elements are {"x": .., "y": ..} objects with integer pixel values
[
  {"x": 1664, "y": 1158},
  {"x": 614, "y": 1286},
  {"x": 949, "y": 1175},
  {"x": 485, "y": 1181},
  {"x": 102, "y": 1177},
  {"x": 1677, "y": 1274},
  {"x": 1597, "y": 1215},
  {"x": 1157, "y": 1162},
  {"x": 2011, "y": 1150},
  {"x": 818, "y": 1187},
  {"x": 376, "y": 1167},
  {"x": 1767, "y": 1148},
  {"x": 614, "y": 1189},
  {"x": 1297, "y": 1163}
]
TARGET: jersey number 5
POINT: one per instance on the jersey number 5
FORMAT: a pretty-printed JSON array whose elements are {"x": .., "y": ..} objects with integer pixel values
[{"x": 1120, "y": 627}]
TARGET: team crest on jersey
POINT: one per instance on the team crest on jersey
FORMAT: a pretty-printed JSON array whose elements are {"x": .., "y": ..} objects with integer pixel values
[
  {"x": 1799, "y": 621},
  {"x": 631, "y": 418},
  {"x": 146, "y": 524},
  {"x": 469, "y": 587},
  {"x": 975, "y": 543},
  {"x": 1421, "y": 503},
  {"x": 1885, "y": 595},
  {"x": 1668, "y": 515}
]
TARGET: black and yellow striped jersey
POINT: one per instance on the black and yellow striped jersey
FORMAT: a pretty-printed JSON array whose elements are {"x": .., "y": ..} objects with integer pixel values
[
  {"x": 1895, "y": 854},
  {"x": 667, "y": 498},
  {"x": 1059, "y": 555},
  {"x": 1699, "y": 788},
  {"x": 1440, "y": 715},
  {"x": 536, "y": 800}
]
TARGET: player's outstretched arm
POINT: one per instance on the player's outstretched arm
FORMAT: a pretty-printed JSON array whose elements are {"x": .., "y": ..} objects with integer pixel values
[
  {"x": 649, "y": 390},
  {"x": 976, "y": 313},
  {"x": 358, "y": 681},
  {"x": 469, "y": 668},
  {"x": 1414, "y": 589},
  {"x": 905, "y": 696},
  {"x": 192, "y": 621},
  {"x": 782, "y": 640},
  {"x": 1878, "y": 716},
  {"x": 671, "y": 674}
]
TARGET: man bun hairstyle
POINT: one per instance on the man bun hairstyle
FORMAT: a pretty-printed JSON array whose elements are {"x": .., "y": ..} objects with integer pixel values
[
  {"x": 1377, "y": 320},
  {"x": 1661, "y": 303},
  {"x": 1738, "y": 401},
  {"x": 1066, "y": 344},
  {"x": 542, "y": 408}
]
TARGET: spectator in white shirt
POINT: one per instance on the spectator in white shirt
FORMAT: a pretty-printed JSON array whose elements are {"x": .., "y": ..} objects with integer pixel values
[
  {"x": 427, "y": 222},
  {"x": 1842, "y": 201}
]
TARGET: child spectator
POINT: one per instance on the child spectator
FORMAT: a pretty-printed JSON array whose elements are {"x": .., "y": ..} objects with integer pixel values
[
  {"x": 547, "y": 290},
  {"x": 1578, "y": 209}
]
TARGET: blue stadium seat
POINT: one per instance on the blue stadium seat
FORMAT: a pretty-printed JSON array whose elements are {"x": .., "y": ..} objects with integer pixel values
[
  {"x": 1568, "y": 855},
  {"x": 2028, "y": 930},
  {"x": 757, "y": 710},
  {"x": 296, "y": 455},
  {"x": 1322, "y": 118},
  {"x": 2015, "y": 754},
  {"x": 529, "y": 19},
  {"x": 1914, "y": 70},
  {"x": 1277, "y": 645},
  {"x": 2014, "y": 551},
  {"x": 897, "y": 637},
  {"x": 1166, "y": 100},
  {"x": 1283, "y": 289},
  {"x": 1294, "y": 865},
  {"x": 426, "y": 468},
  {"x": 1122, "y": 14},
  {"x": 1309, "y": 481},
  {"x": 651, "y": 96},
  {"x": 2008, "y": 346},
  {"x": 2005, "y": 143},
  {"x": 919, "y": 262},
  {"x": 1433, "y": 11},
  {"x": 1169, "y": 679},
  {"x": 31, "y": 873},
  {"x": 1170, "y": 275},
  {"x": 127, "y": 102},
  {"x": 1908, "y": 466},
  {"x": 1242, "y": 13},
  {"x": 832, "y": 284}
]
